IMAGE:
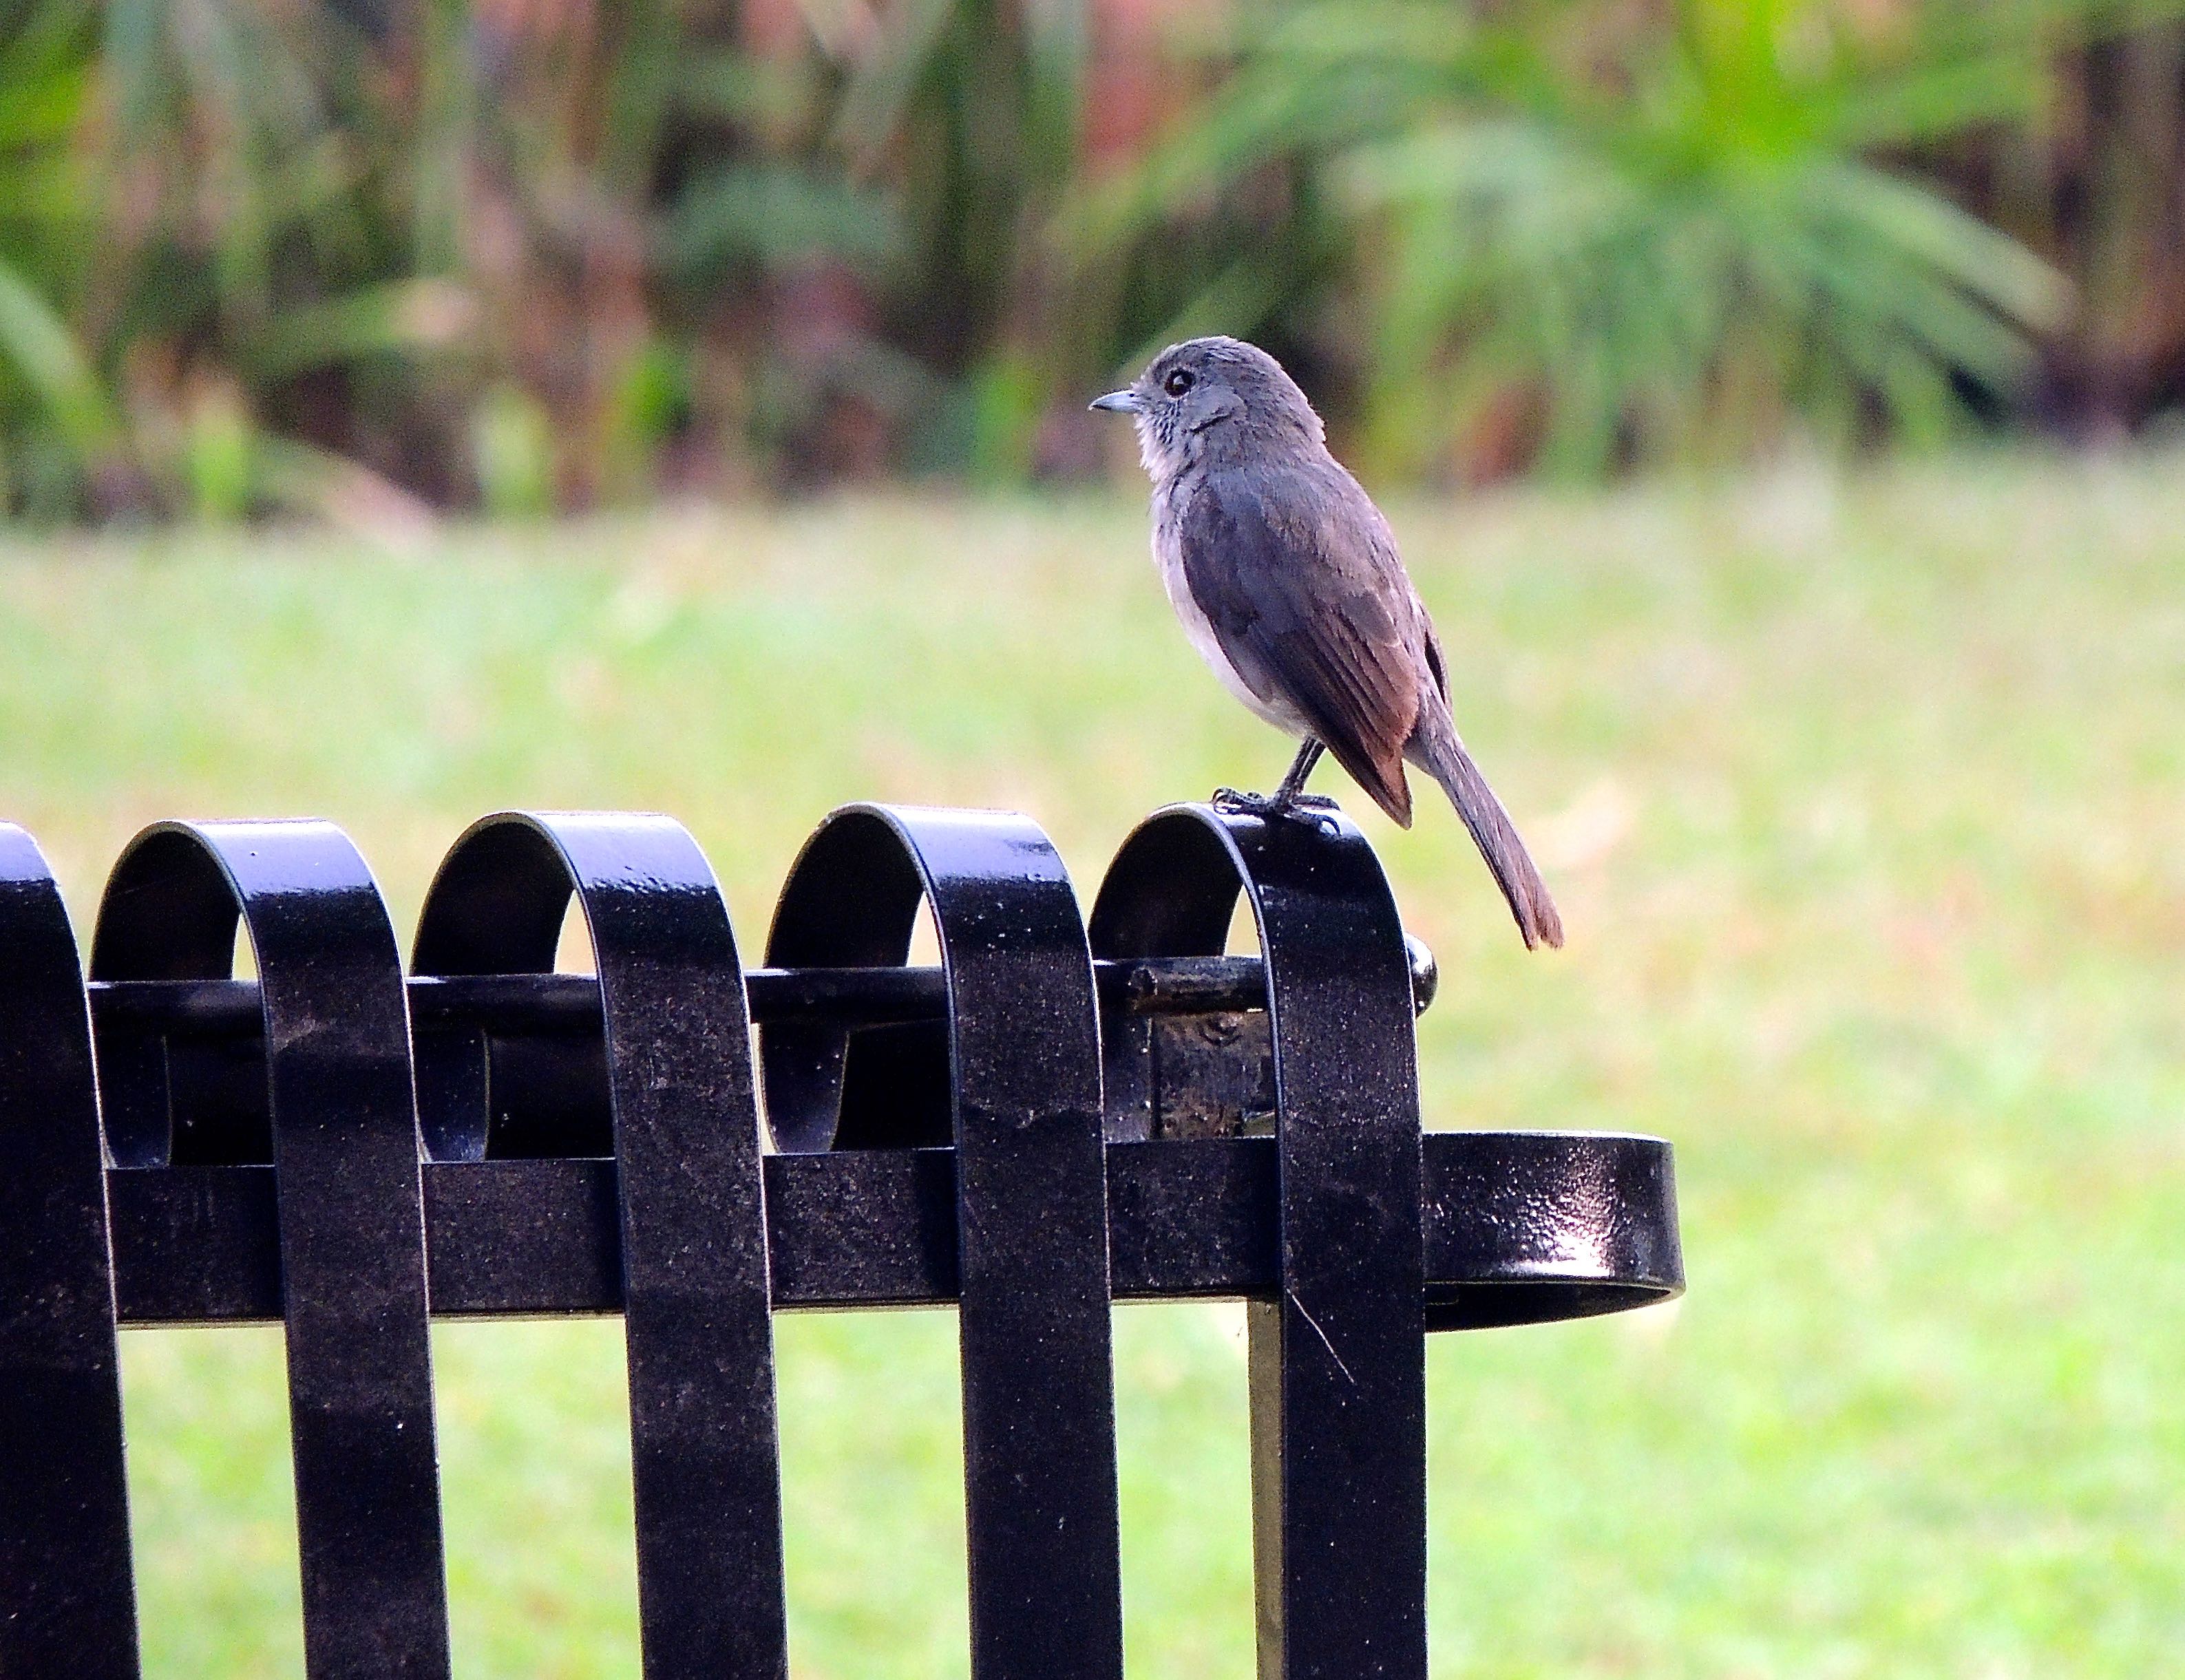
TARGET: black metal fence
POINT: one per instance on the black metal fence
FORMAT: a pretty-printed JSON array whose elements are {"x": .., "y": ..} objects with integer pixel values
[{"x": 1056, "y": 1117}]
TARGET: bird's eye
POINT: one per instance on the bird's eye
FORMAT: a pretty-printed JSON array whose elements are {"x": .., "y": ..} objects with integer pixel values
[{"x": 1179, "y": 382}]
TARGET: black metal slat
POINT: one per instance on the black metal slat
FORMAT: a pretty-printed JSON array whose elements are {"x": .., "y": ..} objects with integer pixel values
[
  {"x": 692, "y": 1229},
  {"x": 1023, "y": 1068},
  {"x": 67, "y": 1601},
  {"x": 1337, "y": 1355},
  {"x": 347, "y": 1209},
  {"x": 1338, "y": 1358}
]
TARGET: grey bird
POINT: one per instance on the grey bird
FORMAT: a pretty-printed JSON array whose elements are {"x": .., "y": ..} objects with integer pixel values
[{"x": 1289, "y": 583}]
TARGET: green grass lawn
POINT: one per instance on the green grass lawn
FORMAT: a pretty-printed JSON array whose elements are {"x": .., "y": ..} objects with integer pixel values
[{"x": 1866, "y": 806}]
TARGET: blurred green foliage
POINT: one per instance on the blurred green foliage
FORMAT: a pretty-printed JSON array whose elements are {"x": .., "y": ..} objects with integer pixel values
[
  {"x": 363, "y": 257},
  {"x": 1659, "y": 241}
]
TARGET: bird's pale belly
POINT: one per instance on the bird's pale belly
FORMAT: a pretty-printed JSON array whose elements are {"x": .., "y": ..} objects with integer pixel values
[{"x": 1200, "y": 632}]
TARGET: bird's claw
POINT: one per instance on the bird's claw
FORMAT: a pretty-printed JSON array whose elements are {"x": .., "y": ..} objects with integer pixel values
[{"x": 1269, "y": 805}]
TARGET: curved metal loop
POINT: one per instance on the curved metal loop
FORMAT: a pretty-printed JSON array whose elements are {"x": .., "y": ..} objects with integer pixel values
[
  {"x": 65, "y": 1568},
  {"x": 343, "y": 1140},
  {"x": 170, "y": 914},
  {"x": 693, "y": 1223},
  {"x": 1536, "y": 1226},
  {"x": 852, "y": 901},
  {"x": 1022, "y": 1065},
  {"x": 1338, "y": 1360},
  {"x": 496, "y": 907}
]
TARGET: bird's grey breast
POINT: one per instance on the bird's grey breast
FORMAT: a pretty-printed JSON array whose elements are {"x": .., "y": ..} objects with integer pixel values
[{"x": 1171, "y": 505}]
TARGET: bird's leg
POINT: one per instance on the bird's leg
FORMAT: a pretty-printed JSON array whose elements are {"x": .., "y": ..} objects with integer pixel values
[
  {"x": 1288, "y": 797},
  {"x": 1300, "y": 768}
]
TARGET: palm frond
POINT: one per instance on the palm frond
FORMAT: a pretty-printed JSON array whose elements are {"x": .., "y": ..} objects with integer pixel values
[{"x": 36, "y": 343}]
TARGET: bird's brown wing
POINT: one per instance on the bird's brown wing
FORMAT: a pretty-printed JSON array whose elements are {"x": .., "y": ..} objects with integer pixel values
[{"x": 1298, "y": 574}]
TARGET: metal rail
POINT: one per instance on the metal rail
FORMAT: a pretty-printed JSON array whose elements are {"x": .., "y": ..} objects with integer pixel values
[
  {"x": 1061, "y": 1114},
  {"x": 551, "y": 1003}
]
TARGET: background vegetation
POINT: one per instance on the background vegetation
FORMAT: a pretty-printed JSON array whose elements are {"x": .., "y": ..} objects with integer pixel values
[
  {"x": 367, "y": 258},
  {"x": 1863, "y": 806}
]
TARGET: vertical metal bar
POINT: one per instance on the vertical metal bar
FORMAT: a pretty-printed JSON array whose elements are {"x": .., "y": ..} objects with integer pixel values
[
  {"x": 1024, "y": 1053},
  {"x": 692, "y": 1221},
  {"x": 67, "y": 1603},
  {"x": 1337, "y": 1360},
  {"x": 345, "y": 1157}
]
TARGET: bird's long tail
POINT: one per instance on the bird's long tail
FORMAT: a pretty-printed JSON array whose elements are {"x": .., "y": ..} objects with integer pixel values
[{"x": 1442, "y": 756}]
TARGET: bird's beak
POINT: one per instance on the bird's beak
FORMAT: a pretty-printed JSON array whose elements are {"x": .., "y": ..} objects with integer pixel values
[{"x": 1118, "y": 402}]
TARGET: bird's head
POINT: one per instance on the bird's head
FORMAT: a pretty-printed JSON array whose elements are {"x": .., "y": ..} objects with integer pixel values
[{"x": 1208, "y": 399}]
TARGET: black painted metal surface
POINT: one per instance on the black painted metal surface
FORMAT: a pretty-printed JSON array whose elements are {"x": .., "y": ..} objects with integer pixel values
[
  {"x": 554, "y": 1002},
  {"x": 1022, "y": 1059},
  {"x": 676, "y": 1040},
  {"x": 1338, "y": 1357},
  {"x": 1023, "y": 1131},
  {"x": 66, "y": 1605},
  {"x": 335, "y": 1060},
  {"x": 877, "y": 1228}
]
